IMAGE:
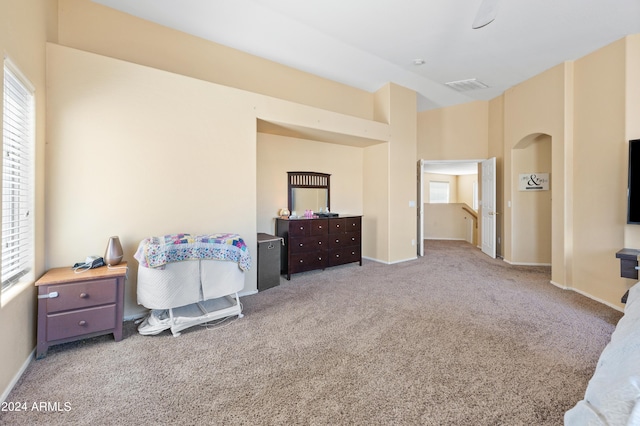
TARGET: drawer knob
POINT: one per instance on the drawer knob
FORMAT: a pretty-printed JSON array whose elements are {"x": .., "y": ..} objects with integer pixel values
[
  {"x": 301, "y": 261},
  {"x": 82, "y": 323},
  {"x": 337, "y": 225},
  {"x": 320, "y": 242},
  {"x": 337, "y": 241},
  {"x": 353, "y": 238},
  {"x": 83, "y": 295},
  {"x": 301, "y": 244},
  {"x": 301, "y": 228},
  {"x": 337, "y": 255},
  {"x": 320, "y": 226}
]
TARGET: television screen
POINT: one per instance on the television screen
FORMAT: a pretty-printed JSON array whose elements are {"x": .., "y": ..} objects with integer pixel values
[{"x": 633, "y": 190}]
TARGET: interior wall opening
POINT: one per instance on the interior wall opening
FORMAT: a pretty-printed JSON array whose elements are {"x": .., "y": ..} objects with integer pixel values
[
  {"x": 531, "y": 201},
  {"x": 450, "y": 197}
]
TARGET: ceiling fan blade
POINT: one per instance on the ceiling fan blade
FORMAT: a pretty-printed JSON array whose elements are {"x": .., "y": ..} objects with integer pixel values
[{"x": 486, "y": 13}]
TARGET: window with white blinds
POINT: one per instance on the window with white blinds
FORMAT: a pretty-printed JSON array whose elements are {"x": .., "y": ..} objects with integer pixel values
[
  {"x": 18, "y": 120},
  {"x": 438, "y": 192}
]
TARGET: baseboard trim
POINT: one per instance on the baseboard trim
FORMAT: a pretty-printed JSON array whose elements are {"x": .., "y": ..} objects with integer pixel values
[
  {"x": 403, "y": 260},
  {"x": 17, "y": 376},
  {"x": 585, "y": 294},
  {"x": 375, "y": 260},
  {"x": 526, "y": 263},
  {"x": 389, "y": 263}
]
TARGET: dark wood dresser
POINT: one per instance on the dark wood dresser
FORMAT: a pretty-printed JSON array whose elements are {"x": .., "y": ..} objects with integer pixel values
[{"x": 311, "y": 244}]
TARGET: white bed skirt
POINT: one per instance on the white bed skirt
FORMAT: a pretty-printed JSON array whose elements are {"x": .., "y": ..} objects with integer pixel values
[{"x": 188, "y": 282}]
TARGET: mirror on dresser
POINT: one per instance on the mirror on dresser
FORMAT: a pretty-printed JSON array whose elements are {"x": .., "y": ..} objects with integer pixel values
[{"x": 308, "y": 191}]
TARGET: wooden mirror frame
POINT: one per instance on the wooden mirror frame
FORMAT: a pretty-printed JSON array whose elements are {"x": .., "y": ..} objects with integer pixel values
[{"x": 308, "y": 180}]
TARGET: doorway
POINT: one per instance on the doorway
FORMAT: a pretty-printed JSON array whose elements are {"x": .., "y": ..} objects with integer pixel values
[{"x": 448, "y": 201}]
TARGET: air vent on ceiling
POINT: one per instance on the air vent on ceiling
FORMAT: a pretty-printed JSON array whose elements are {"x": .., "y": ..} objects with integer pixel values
[{"x": 466, "y": 85}]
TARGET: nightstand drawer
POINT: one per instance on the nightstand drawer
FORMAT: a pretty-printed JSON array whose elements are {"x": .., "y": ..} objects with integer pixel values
[
  {"x": 83, "y": 294},
  {"x": 84, "y": 321}
]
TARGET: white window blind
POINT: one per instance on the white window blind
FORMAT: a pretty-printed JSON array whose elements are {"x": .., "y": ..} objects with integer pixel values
[
  {"x": 17, "y": 182},
  {"x": 438, "y": 192}
]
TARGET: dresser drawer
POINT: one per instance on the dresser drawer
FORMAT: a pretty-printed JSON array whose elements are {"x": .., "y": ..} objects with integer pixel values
[
  {"x": 82, "y": 294},
  {"x": 83, "y": 321},
  {"x": 300, "y": 228},
  {"x": 299, "y": 245},
  {"x": 337, "y": 226},
  {"x": 307, "y": 261},
  {"x": 353, "y": 238},
  {"x": 353, "y": 224},
  {"x": 344, "y": 240},
  {"x": 344, "y": 255},
  {"x": 319, "y": 227}
]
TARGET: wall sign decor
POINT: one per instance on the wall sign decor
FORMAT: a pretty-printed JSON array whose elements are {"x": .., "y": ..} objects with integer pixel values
[{"x": 533, "y": 182}]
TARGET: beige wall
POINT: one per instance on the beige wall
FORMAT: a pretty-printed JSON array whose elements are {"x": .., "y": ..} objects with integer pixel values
[
  {"x": 25, "y": 26},
  {"x": 465, "y": 189},
  {"x": 446, "y": 222},
  {"x": 136, "y": 152},
  {"x": 397, "y": 106},
  {"x": 376, "y": 189},
  {"x": 277, "y": 155},
  {"x": 176, "y": 154},
  {"x": 95, "y": 28},
  {"x": 600, "y": 158},
  {"x": 531, "y": 109},
  {"x": 458, "y": 132}
]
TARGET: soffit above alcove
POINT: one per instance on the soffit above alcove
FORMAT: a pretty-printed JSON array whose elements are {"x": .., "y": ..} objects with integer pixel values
[{"x": 318, "y": 135}]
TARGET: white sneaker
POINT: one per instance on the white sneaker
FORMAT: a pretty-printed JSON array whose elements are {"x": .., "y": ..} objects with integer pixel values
[{"x": 155, "y": 323}]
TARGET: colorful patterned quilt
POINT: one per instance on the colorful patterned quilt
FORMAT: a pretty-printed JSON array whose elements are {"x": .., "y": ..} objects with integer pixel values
[{"x": 155, "y": 252}]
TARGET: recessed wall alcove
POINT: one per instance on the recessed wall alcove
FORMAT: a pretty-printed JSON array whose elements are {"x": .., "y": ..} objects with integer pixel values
[{"x": 531, "y": 209}]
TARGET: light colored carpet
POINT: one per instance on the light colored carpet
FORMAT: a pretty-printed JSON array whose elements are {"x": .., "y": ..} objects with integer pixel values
[{"x": 454, "y": 338}]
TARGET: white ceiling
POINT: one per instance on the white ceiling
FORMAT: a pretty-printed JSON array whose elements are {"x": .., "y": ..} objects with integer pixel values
[{"x": 368, "y": 43}]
